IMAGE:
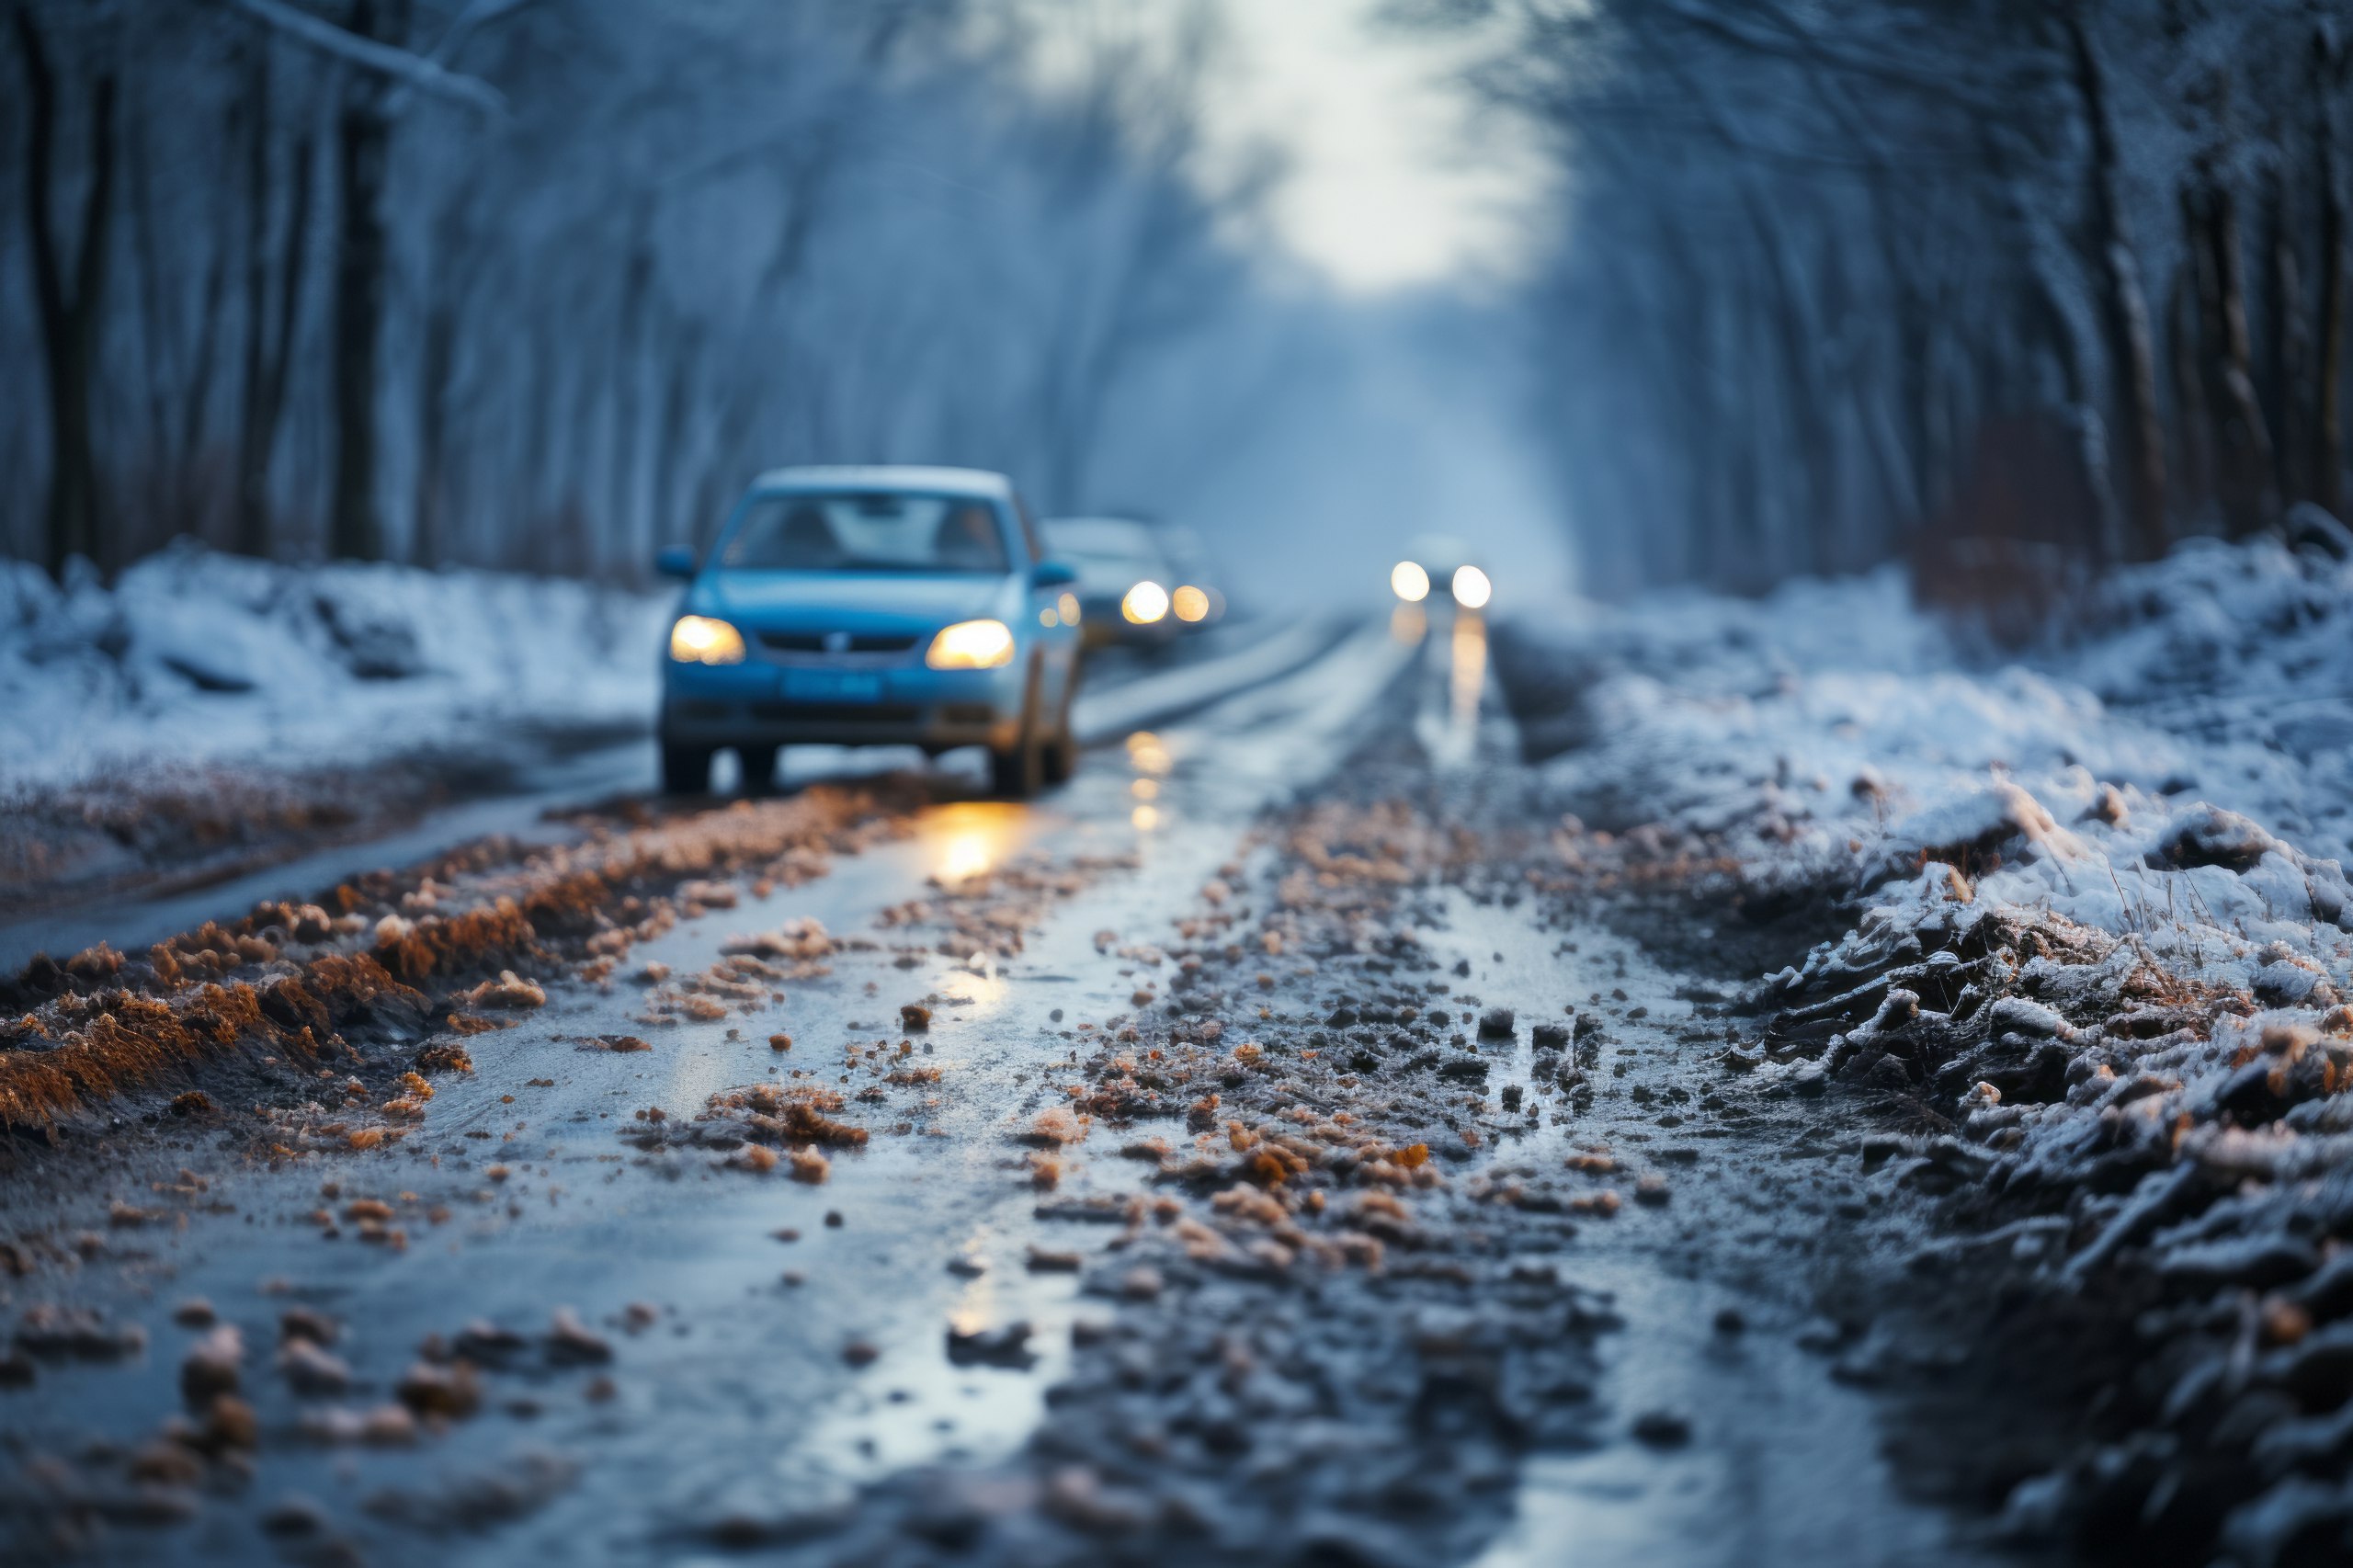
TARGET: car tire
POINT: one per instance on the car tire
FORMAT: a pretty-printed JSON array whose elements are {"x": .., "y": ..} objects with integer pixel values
[
  {"x": 758, "y": 764},
  {"x": 1020, "y": 771},
  {"x": 1060, "y": 758},
  {"x": 686, "y": 770}
]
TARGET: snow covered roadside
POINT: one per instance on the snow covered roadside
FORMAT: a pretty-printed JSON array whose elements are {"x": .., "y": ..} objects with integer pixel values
[
  {"x": 218, "y": 691},
  {"x": 2092, "y": 990}
]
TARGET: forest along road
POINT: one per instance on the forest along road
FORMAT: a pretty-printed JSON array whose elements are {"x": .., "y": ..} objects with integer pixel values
[{"x": 1275, "y": 1146}]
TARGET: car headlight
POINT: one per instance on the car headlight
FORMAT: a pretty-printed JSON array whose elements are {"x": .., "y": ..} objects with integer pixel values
[
  {"x": 1409, "y": 582},
  {"x": 1191, "y": 604},
  {"x": 1472, "y": 589},
  {"x": 971, "y": 645},
  {"x": 1145, "y": 603},
  {"x": 1068, "y": 605},
  {"x": 700, "y": 640}
]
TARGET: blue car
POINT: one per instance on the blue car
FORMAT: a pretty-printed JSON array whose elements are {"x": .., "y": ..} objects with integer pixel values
[{"x": 873, "y": 607}]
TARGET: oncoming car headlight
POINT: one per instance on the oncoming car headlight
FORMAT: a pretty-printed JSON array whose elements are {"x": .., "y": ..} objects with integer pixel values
[
  {"x": 1472, "y": 589},
  {"x": 1145, "y": 603},
  {"x": 1191, "y": 604},
  {"x": 700, "y": 640},
  {"x": 971, "y": 645},
  {"x": 1409, "y": 582}
]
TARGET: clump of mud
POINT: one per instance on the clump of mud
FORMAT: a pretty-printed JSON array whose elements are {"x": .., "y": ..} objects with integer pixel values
[{"x": 346, "y": 984}]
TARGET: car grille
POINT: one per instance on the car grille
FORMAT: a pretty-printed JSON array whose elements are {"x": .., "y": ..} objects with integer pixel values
[
  {"x": 836, "y": 712},
  {"x": 859, "y": 642}
]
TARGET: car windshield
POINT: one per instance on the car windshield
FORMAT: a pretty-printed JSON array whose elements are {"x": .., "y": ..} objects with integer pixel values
[
  {"x": 1101, "y": 539},
  {"x": 867, "y": 531}
]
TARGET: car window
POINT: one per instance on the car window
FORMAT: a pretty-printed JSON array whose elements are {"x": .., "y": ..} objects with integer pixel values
[
  {"x": 867, "y": 531},
  {"x": 1102, "y": 539},
  {"x": 1028, "y": 529}
]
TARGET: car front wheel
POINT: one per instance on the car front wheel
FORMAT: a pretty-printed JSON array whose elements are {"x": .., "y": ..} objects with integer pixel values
[
  {"x": 758, "y": 767},
  {"x": 1061, "y": 753},
  {"x": 1020, "y": 771},
  {"x": 686, "y": 770}
]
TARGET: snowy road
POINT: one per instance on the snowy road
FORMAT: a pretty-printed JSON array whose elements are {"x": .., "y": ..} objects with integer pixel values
[
  {"x": 523, "y": 799},
  {"x": 1316, "y": 1261}
]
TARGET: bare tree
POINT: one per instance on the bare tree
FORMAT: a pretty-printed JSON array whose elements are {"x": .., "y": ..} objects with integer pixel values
[{"x": 70, "y": 290}]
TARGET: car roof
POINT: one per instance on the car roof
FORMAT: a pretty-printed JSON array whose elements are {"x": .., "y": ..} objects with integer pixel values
[
  {"x": 1133, "y": 525},
  {"x": 906, "y": 477}
]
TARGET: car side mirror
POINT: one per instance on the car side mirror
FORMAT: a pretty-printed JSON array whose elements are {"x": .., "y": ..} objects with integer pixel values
[
  {"x": 677, "y": 561},
  {"x": 1052, "y": 575}
]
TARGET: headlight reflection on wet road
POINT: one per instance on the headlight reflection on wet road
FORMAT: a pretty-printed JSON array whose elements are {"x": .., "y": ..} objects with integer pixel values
[
  {"x": 1149, "y": 756},
  {"x": 1470, "y": 671},
  {"x": 1448, "y": 732},
  {"x": 968, "y": 837}
]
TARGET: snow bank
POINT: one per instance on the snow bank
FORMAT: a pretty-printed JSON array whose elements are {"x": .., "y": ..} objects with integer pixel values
[
  {"x": 196, "y": 657},
  {"x": 2102, "y": 955},
  {"x": 2179, "y": 770}
]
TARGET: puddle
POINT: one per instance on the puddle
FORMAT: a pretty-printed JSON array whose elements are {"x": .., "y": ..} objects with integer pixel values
[{"x": 1782, "y": 1465}]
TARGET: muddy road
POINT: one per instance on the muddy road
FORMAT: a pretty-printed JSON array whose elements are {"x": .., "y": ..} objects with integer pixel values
[{"x": 1279, "y": 1145}]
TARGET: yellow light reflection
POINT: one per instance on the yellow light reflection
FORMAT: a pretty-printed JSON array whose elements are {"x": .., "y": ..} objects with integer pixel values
[
  {"x": 1189, "y": 603},
  {"x": 968, "y": 837},
  {"x": 1408, "y": 624},
  {"x": 1146, "y": 753},
  {"x": 1145, "y": 818},
  {"x": 1469, "y": 672},
  {"x": 1145, "y": 789}
]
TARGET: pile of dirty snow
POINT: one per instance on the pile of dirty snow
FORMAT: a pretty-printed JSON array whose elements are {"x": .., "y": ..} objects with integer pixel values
[
  {"x": 193, "y": 657},
  {"x": 2180, "y": 770},
  {"x": 2095, "y": 994}
]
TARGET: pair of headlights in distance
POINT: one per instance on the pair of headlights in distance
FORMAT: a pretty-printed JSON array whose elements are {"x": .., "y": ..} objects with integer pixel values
[
  {"x": 1470, "y": 585},
  {"x": 1148, "y": 602},
  {"x": 967, "y": 645}
]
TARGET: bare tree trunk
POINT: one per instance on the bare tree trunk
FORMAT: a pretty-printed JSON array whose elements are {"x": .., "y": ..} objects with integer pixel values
[
  {"x": 363, "y": 136},
  {"x": 2328, "y": 358},
  {"x": 2123, "y": 306},
  {"x": 253, "y": 530},
  {"x": 628, "y": 377},
  {"x": 426, "y": 544},
  {"x": 196, "y": 400},
  {"x": 2291, "y": 353},
  {"x": 269, "y": 344},
  {"x": 2246, "y": 445},
  {"x": 684, "y": 349},
  {"x": 69, "y": 318},
  {"x": 157, "y": 371},
  {"x": 2193, "y": 468}
]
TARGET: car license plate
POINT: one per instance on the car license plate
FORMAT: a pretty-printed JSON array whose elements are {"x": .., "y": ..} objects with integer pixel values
[{"x": 832, "y": 685}]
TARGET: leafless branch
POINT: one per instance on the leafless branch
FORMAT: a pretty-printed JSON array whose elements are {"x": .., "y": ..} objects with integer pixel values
[{"x": 415, "y": 70}]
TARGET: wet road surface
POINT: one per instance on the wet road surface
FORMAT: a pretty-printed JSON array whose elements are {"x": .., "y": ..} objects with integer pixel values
[{"x": 1589, "y": 1327}]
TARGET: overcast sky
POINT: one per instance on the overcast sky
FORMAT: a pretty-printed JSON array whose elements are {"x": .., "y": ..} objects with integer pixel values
[{"x": 1392, "y": 181}]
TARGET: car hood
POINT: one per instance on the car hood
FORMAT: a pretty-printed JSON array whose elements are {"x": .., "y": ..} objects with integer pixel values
[{"x": 848, "y": 600}]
